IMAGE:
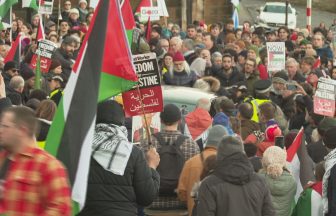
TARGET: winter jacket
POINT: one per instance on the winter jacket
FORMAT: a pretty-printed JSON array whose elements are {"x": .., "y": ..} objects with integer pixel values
[
  {"x": 283, "y": 191},
  {"x": 180, "y": 78},
  {"x": 190, "y": 175},
  {"x": 110, "y": 194},
  {"x": 234, "y": 77},
  {"x": 198, "y": 121},
  {"x": 224, "y": 120},
  {"x": 324, "y": 52},
  {"x": 331, "y": 192},
  {"x": 234, "y": 189}
]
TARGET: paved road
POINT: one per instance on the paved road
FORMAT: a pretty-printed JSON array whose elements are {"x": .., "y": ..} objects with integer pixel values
[{"x": 248, "y": 12}]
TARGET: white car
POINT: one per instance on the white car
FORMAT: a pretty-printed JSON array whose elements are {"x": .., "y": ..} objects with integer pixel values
[{"x": 273, "y": 15}]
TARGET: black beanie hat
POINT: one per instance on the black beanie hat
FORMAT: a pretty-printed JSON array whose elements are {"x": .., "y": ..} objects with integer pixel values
[
  {"x": 170, "y": 114},
  {"x": 110, "y": 112}
]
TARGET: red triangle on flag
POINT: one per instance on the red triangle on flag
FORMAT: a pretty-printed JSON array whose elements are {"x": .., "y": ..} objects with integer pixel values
[
  {"x": 127, "y": 14},
  {"x": 15, "y": 52},
  {"x": 291, "y": 151},
  {"x": 143, "y": 3}
]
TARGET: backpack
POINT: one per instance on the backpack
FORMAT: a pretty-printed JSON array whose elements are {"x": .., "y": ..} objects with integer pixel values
[{"x": 171, "y": 164}]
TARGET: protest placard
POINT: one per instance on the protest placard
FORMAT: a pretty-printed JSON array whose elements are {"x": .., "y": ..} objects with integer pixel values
[
  {"x": 46, "y": 7},
  {"x": 152, "y": 12},
  {"x": 139, "y": 126},
  {"x": 324, "y": 98},
  {"x": 45, "y": 49},
  {"x": 276, "y": 53},
  {"x": 148, "y": 98}
]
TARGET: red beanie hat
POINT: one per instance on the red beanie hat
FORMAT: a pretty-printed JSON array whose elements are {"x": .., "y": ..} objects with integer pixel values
[
  {"x": 178, "y": 57},
  {"x": 272, "y": 131}
]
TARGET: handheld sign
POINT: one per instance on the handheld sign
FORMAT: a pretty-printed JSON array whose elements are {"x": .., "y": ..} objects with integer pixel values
[
  {"x": 46, "y": 7},
  {"x": 139, "y": 132},
  {"x": 276, "y": 53},
  {"x": 149, "y": 96},
  {"x": 45, "y": 49},
  {"x": 324, "y": 98}
]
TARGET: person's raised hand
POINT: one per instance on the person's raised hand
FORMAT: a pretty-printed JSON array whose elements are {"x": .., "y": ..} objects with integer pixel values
[{"x": 153, "y": 158}]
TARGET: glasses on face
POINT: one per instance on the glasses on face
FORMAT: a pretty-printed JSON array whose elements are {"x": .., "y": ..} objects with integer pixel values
[
  {"x": 252, "y": 65},
  {"x": 15, "y": 70}
]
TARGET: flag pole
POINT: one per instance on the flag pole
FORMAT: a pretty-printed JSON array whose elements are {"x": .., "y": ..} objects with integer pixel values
[
  {"x": 10, "y": 23},
  {"x": 59, "y": 14},
  {"x": 144, "y": 115}
]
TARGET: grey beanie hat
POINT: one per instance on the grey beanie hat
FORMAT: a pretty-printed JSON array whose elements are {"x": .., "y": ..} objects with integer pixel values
[
  {"x": 216, "y": 133},
  {"x": 228, "y": 146}
]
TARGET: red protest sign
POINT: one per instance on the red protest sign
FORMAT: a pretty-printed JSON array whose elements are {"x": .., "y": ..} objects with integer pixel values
[
  {"x": 148, "y": 98},
  {"x": 45, "y": 49},
  {"x": 151, "y": 100},
  {"x": 324, "y": 106},
  {"x": 324, "y": 98},
  {"x": 45, "y": 63}
]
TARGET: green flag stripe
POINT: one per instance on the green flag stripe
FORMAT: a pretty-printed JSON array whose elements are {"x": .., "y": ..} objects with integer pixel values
[
  {"x": 303, "y": 206},
  {"x": 54, "y": 139},
  {"x": 112, "y": 85},
  {"x": 129, "y": 34},
  {"x": 4, "y": 7}
]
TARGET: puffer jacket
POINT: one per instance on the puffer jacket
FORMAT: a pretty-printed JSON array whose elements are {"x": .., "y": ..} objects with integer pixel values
[
  {"x": 283, "y": 191},
  {"x": 110, "y": 194}
]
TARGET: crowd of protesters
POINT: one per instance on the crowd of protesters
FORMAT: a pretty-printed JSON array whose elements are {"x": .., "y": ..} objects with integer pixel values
[{"x": 219, "y": 159}]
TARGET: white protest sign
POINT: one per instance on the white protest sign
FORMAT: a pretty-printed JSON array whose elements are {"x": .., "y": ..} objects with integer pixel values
[
  {"x": 93, "y": 3},
  {"x": 152, "y": 12},
  {"x": 46, "y": 7},
  {"x": 276, "y": 53},
  {"x": 139, "y": 132}
]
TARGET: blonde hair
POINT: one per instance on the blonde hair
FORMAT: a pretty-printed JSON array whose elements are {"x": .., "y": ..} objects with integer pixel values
[{"x": 274, "y": 161}]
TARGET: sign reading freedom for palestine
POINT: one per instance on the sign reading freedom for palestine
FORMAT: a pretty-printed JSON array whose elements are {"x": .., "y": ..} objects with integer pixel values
[
  {"x": 45, "y": 49},
  {"x": 149, "y": 98},
  {"x": 276, "y": 53},
  {"x": 324, "y": 98}
]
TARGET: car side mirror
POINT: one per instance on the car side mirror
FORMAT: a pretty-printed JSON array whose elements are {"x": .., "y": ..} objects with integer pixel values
[{"x": 296, "y": 13}]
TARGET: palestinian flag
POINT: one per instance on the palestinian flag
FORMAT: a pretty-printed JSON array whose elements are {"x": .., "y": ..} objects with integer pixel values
[
  {"x": 5, "y": 5},
  {"x": 299, "y": 163},
  {"x": 317, "y": 63},
  {"x": 310, "y": 202},
  {"x": 14, "y": 53},
  {"x": 40, "y": 31},
  {"x": 102, "y": 69},
  {"x": 30, "y": 4},
  {"x": 143, "y": 3},
  {"x": 128, "y": 19},
  {"x": 148, "y": 30}
]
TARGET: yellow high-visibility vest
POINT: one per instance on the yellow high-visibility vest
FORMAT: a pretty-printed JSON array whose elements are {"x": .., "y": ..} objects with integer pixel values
[{"x": 255, "y": 104}]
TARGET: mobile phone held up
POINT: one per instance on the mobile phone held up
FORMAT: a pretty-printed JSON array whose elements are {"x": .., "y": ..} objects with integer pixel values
[{"x": 280, "y": 141}]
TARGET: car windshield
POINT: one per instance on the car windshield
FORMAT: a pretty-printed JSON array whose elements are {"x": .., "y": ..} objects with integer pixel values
[{"x": 276, "y": 9}]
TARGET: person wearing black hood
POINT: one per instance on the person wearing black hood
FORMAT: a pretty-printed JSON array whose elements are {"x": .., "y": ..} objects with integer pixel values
[
  {"x": 233, "y": 188},
  {"x": 120, "y": 177}
]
